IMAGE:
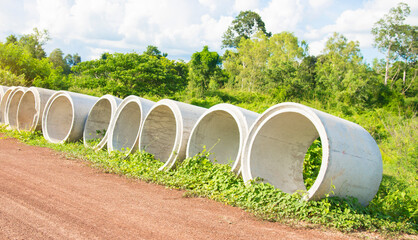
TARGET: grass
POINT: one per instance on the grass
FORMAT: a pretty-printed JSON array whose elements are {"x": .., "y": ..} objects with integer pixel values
[{"x": 200, "y": 177}]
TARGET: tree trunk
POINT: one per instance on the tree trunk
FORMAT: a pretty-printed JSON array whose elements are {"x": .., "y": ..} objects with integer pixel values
[{"x": 387, "y": 65}]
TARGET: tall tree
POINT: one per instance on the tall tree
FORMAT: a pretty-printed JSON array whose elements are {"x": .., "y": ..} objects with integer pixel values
[
  {"x": 245, "y": 25},
  {"x": 57, "y": 60},
  {"x": 390, "y": 34},
  {"x": 205, "y": 67},
  {"x": 72, "y": 60}
]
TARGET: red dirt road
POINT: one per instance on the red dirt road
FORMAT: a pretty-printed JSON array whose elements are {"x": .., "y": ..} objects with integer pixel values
[{"x": 46, "y": 196}]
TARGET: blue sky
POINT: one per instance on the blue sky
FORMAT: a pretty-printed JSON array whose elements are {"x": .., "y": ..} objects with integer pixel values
[{"x": 182, "y": 27}]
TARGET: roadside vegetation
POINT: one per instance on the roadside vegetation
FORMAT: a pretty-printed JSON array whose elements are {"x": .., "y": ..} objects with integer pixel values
[{"x": 258, "y": 70}]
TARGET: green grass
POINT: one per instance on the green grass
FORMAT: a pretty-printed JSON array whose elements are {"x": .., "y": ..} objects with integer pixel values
[{"x": 200, "y": 177}]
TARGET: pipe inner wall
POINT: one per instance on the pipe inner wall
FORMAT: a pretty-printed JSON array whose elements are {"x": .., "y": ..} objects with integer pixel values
[
  {"x": 126, "y": 128},
  {"x": 12, "y": 108},
  {"x": 27, "y": 112},
  {"x": 220, "y": 134},
  {"x": 59, "y": 119},
  {"x": 159, "y": 133}
]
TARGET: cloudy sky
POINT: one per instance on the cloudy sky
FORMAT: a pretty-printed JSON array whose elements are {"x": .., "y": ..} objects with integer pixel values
[{"x": 182, "y": 27}]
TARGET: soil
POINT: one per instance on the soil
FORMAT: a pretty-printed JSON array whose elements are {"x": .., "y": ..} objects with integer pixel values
[{"x": 44, "y": 195}]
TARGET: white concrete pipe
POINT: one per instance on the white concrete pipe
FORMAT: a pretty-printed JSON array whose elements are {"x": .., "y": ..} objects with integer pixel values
[
  {"x": 166, "y": 130},
  {"x": 279, "y": 139},
  {"x": 3, "y": 89},
  {"x": 98, "y": 121},
  {"x": 126, "y": 124},
  {"x": 31, "y": 108},
  {"x": 222, "y": 129},
  {"x": 3, "y": 103},
  {"x": 65, "y": 115},
  {"x": 12, "y": 106}
]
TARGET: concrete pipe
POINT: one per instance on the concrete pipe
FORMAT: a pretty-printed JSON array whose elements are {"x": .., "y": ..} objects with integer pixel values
[
  {"x": 65, "y": 115},
  {"x": 279, "y": 139},
  {"x": 166, "y": 130},
  {"x": 12, "y": 106},
  {"x": 3, "y": 103},
  {"x": 126, "y": 124},
  {"x": 31, "y": 108},
  {"x": 3, "y": 89},
  {"x": 98, "y": 122},
  {"x": 222, "y": 130}
]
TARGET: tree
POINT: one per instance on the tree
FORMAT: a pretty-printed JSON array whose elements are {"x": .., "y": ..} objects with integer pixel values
[
  {"x": 153, "y": 51},
  {"x": 57, "y": 60},
  {"x": 245, "y": 25},
  {"x": 72, "y": 60},
  {"x": 205, "y": 69},
  {"x": 34, "y": 42},
  {"x": 391, "y": 34},
  {"x": 11, "y": 39}
]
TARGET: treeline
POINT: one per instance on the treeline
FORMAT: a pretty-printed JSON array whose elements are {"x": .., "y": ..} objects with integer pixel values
[{"x": 256, "y": 61}]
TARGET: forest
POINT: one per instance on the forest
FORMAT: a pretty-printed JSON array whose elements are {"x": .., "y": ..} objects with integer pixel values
[{"x": 257, "y": 70}]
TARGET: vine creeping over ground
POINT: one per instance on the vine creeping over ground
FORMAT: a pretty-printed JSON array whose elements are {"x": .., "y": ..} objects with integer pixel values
[{"x": 200, "y": 177}]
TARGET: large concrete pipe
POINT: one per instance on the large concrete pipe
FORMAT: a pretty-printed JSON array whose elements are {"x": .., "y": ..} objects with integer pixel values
[
  {"x": 31, "y": 108},
  {"x": 12, "y": 105},
  {"x": 3, "y": 89},
  {"x": 65, "y": 115},
  {"x": 166, "y": 130},
  {"x": 126, "y": 124},
  {"x": 3, "y": 103},
  {"x": 279, "y": 139},
  {"x": 98, "y": 122},
  {"x": 222, "y": 130}
]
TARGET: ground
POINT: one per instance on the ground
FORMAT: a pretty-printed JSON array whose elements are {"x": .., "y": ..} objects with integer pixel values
[{"x": 44, "y": 195}]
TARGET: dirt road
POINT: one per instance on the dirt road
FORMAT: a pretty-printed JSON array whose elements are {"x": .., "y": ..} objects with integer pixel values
[{"x": 46, "y": 196}]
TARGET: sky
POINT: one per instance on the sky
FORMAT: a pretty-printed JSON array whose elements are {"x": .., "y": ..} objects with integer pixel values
[{"x": 182, "y": 27}]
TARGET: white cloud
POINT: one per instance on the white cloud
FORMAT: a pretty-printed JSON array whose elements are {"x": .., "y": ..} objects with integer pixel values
[
  {"x": 316, "y": 4},
  {"x": 244, "y": 5},
  {"x": 355, "y": 24},
  {"x": 282, "y": 15}
]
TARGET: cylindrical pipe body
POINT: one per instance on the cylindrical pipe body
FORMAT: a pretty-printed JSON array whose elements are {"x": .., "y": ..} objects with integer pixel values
[
  {"x": 166, "y": 130},
  {"x": 12, "y": 107},
  {"x": 98, "y": 122},
  {"x": 31, "y": 108},
  {"x": 126, "y": 124},
  {"x": 222, "y": 129},
  {"x": 279, "y": 139},
  {"x": 65, "y": 115},
  {"x": 3, "y": 103}
]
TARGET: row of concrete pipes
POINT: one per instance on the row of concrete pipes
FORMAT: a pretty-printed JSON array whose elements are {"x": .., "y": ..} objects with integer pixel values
[{"x": 271, "y": 145}]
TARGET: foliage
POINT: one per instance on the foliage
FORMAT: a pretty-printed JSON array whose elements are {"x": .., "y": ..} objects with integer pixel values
[
  {"x": 245, "y": 25},
  {"x": 126, "y": 74},
  {"x": 205, "y": 71}
]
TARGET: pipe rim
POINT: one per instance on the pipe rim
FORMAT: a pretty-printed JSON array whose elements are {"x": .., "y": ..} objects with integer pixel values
[
  {"x": 113, "y": 106},
  {"x": 175, "y": 110},
  {"x": 242, "y": 126},
  {"x": 269, "y": 114},
  {"x": 115, "y": 119},
  {"x": 13, "y": 107},
  {"x": 48, "y": 106},
  {"x": 8, "y": 101},
  {"x": 3, "y": 103},
  {"x": 36, "y": 104}
]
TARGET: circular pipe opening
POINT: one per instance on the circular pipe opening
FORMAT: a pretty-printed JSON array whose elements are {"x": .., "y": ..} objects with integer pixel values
[
  {"x": 126, "y": 127},
  {"x": 159, "y": 133},
  {"x": 13, "y": 108},
  {"x": 219, "y": 133},
  {"x": 27, "y": 112},
  {"x": 59, "y": 119},
  {"x": 3, "y": 104},
  {"x": 278, "y": 149},
  {"x": 97, "y": 122}
]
